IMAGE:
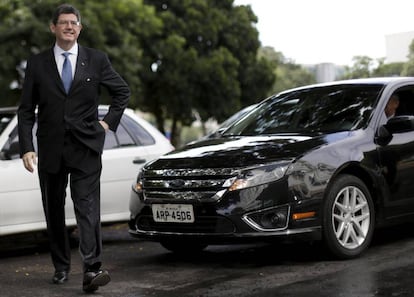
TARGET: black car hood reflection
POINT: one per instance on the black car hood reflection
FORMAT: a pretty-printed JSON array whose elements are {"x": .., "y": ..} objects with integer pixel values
[{"x": 242, "y": 151}]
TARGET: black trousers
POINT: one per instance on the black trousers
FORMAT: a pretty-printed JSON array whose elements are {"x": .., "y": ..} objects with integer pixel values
[{"x": 82, "y": 167}]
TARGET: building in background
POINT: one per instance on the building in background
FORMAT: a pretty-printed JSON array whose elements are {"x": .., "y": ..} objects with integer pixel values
[
  {"x": 325, "y": 72},
  {"x": 397, "y": 48}
]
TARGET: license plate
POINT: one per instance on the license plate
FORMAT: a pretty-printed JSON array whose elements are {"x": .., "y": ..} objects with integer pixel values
[{"x": 173, "y": 213}]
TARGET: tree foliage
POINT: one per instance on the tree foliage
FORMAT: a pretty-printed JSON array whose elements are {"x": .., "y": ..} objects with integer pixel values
[
  {"x": 178, "y": 56},
  {"x": 287, "y": 73},
  {"x": 116, "y": 27},
  {"x": 204, "y": 60},
  {"x": 408, "y": 69},
  {"x": 364, "y": 66},
  {"x": 391, "y": 69}
]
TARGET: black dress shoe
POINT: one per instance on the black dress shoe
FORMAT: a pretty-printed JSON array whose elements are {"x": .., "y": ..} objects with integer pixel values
[
  {"x": 92, "y": 280},
  {"x": 60, "y": 277}
]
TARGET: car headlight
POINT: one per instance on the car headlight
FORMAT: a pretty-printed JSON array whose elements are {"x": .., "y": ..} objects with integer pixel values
[
  {"x": 138, "y": 184},
  {"x": 256, "y": 176}
]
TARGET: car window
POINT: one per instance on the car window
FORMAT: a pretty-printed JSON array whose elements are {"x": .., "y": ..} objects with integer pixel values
[
  {"x": 11, "y": 149},
  {"x": 123, "y": 137},
  {"x": 406, "y": 101},
  {"x": 128, "y": 133},
  {"x": 140, "y": 135},
  {"x": 339, "y": 108},
  {"x": 119, "y": 139},
  {"x": 110, "y": 140}
]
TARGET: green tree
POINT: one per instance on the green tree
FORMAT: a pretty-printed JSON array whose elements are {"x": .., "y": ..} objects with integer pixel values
[
  {"x": 287, "y": 73},
  {"x": 116, "y": 27},
  {"x": 178, "y": 56},
  {"x": 204, "y": 60},
  {"x": 408, "y": 69},
  {"x": 362, "y": 67},
  {"x": 119, "y": 28},
  {"x": 22, "y": 32},
  {"x": 391, "y": 69}
]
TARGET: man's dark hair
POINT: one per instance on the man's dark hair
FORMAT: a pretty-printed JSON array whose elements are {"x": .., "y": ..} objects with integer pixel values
[{"x": 65, "y": 9}]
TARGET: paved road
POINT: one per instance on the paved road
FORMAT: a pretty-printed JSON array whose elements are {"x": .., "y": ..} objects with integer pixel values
[{"x": 141, "y": 268}]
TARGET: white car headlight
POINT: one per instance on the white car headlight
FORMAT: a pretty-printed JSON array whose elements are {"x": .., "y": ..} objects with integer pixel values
[{"x": 138, "y": 184}]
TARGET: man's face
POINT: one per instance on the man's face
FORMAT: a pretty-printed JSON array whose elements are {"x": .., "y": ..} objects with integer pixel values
[
  {"x": 66, "y": 30},
  {"x": 391, "y": 107}
]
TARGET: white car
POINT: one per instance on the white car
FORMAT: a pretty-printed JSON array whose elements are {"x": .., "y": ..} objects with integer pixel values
[{"x": 126, "y": 151}]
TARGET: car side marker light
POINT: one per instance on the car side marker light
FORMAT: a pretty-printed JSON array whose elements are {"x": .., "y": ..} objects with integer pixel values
[{"x": 303, "y": 215}]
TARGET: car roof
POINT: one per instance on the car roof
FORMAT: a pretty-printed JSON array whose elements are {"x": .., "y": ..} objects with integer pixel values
[
  {"x": 373, "y": 80},
  {"x": 368, "y": 81}
]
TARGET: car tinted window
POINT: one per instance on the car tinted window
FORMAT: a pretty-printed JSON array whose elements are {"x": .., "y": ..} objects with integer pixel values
[
  {"x": 119, "y": 139},
  {"x": 337, "y": 108},
  {"x": 128, "y": 133},
  {"x": 11, "y": 149},
  {"x": 406, "y": 101},
  {"x": 140, "y": 135},
  {"x": 124, "y": 138},
  {"x": 110, "y": 140}
]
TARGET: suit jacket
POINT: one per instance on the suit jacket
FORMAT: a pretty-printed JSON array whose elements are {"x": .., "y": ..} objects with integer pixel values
[{"x": 76, "y": 111}]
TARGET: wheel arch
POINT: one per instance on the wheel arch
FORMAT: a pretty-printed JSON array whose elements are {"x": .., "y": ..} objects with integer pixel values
[
  {"x": 333, "y": 240},
  {"x": 368, "y": 179}
]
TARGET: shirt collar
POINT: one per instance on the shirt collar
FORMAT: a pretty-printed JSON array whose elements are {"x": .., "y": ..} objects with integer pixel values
[{"x": 73, "y": 51}]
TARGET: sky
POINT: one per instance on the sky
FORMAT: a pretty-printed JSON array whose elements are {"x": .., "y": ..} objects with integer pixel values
[{"x": 330, "y": 31}]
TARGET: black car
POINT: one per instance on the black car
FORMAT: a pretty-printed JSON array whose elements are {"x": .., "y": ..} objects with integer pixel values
[{"x": 321, "y": 162}]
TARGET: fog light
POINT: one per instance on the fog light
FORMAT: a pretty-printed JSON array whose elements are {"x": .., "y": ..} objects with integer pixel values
[
  {"x": 269, "y": 219},
  {"x": 273, "y": 220}
]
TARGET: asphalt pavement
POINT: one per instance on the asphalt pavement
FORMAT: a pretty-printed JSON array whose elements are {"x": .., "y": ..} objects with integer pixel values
[{"x": 140, "y": 268}]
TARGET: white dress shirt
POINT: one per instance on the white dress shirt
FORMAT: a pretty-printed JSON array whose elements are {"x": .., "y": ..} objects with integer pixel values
[{"x": 59, "y": 58}]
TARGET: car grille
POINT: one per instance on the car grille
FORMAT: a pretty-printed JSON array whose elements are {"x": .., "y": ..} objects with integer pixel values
[
  {"x": 186, "y": 184},
  {"x": 203, "y": 224}
]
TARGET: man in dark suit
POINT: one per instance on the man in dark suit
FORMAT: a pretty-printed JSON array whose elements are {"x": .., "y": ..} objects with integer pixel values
[{"x": 63, "y": 84}]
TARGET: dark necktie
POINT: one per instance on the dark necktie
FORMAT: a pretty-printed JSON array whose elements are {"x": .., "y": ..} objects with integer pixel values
[{"x": 67, "y": 72}]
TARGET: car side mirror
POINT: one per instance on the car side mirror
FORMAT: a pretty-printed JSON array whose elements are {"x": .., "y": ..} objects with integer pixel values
[
  {"x": 400, "y": 124},
  {"x": 383, "y": 136}
]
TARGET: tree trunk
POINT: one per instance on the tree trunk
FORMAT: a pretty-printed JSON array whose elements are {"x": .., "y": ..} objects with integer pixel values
[
  {"x": 160, "y": 122},
  {"x": 175, "y": 137}
]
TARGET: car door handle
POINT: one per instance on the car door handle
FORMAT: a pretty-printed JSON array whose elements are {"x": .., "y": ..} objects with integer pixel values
[{"x": 139, "y": 161}]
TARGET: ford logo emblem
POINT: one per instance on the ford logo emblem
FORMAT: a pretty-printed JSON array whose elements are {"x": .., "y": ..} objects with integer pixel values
[{"x": 176, "y": 183}]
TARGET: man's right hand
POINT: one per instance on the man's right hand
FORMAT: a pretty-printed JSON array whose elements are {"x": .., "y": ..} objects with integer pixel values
[{"x": 29, "y": 161}]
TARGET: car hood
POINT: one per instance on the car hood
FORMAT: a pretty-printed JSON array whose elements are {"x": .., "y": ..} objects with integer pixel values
[{"x": 243, "y": 151}]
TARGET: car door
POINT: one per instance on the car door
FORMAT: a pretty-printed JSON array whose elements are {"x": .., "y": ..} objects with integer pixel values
[
  {"x": 397, "y": 161},
  {"x": 21, "y": 207},
  {"x": 20, "y": 200},
  {"x": 125, "y": 152}
]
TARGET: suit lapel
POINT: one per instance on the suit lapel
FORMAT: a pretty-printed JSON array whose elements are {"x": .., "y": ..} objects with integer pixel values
[
  {"x": 81, "y": 66},
  {"x": 51, "y": 67}
]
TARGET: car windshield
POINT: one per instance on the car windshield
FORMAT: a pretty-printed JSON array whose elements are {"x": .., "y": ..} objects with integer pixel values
[{"x": 321, "y": 109}]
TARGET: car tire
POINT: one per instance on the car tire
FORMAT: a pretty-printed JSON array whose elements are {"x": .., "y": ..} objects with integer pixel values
[
  {"x": 348, "y": 217},
  {"x": 183, "y": 246}
]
